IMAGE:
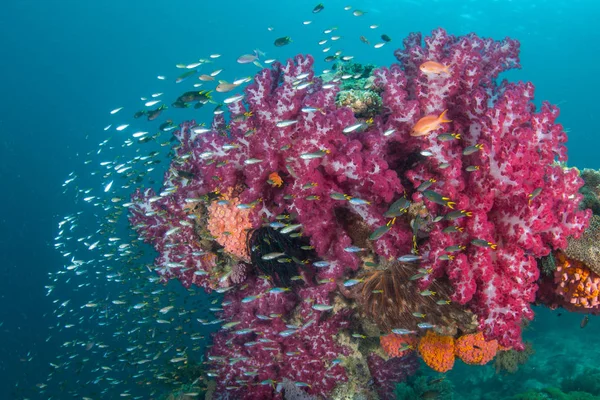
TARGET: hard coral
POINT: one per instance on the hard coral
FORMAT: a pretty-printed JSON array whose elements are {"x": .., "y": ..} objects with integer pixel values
[
  {"x": 437, "y": 351},
  {"x": 591, "y": 190},
  {"x": 364, "y": 103},
  {"x": 586, "y": 248},
  {"x": 474, "y": 349}
]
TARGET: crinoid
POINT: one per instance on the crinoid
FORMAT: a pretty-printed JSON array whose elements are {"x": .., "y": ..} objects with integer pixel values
[
  {"x": 394, "y": 301},
  {"x": 266, "y": 241}
]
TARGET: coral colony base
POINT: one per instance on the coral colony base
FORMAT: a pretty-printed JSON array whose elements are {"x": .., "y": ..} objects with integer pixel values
[{"x": 332, "y": 227}]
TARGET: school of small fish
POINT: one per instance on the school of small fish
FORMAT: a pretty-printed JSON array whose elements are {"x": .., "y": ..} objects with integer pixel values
[{"x": 132, "y": 330}]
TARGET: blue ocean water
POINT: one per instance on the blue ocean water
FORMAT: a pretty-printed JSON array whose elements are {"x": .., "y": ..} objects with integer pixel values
[{"x": 66, "y": 64}]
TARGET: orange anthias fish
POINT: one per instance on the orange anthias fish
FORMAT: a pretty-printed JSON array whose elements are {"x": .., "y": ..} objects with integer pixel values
[
  {"x": 432, "y": 67},
  {"x": 428, "y": 124},
  {"x": 275, "y": 180}
]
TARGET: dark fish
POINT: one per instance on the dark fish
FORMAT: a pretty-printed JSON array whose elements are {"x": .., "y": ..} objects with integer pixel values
[
  {"x": 452, "y": 229},
  {"x": 397, "y": 208},
  {"x": 534, "y": 194},
  {"x": 282, "y": 41},
  {"x": 425, "y": 185},
  {"x": 445, "y": 137},
  {"x": 167, "y": 124},
  {"x": 584, "y": 321},
  {"x": 330, "y": 58},
  {"x": 452, "y": 215},
  {"x": 438, "y": 380},
  {"x": 472, "y": 149},
  {"x": 318, "y": 8},
  {"x": 153, "y": 114},
  {"x": 379, "y": 232},
  {"x": 179, "y": 104},
  {"x": 139, "y": 114},
  {"x": 484, "y": 243},
  {"x": 416, "y": 224},
  {"x": 195, "y": 95},
  {"x": 364, "y": 40},
  {"x": 184, "y": 174},
  {"x": 386, "y": 38},
  {"x": 438, "y": 198}
]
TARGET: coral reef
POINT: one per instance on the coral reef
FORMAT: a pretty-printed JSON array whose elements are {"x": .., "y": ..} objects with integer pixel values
[{"x": 427, "y": 216}]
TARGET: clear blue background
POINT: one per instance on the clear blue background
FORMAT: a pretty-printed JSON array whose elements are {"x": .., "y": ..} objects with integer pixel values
[{"x": 65, "y": 64}]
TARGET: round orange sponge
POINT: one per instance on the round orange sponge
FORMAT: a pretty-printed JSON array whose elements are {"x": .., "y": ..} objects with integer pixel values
[
  {"x": 474, "y": 349},
  {"x": 393, "y": 343},
  {"x": 437, "y": 351}
]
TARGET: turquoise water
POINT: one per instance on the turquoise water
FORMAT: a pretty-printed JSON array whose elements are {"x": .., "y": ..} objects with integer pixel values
[{"x": 66, "y": 64}]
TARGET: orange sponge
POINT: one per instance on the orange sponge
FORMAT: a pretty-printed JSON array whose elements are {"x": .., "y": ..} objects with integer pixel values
[
  {"x": 397, "y": 345},
  {"x": 474, "y": 349},
  {"x": 576, "y": 283},
  {"x": 437, "y": 351},
  {"x": 229, "y": 225}
]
